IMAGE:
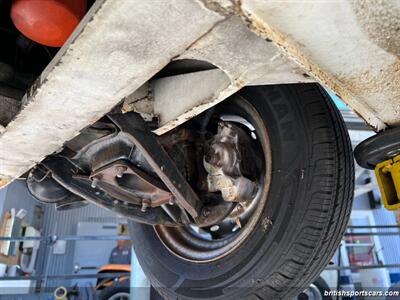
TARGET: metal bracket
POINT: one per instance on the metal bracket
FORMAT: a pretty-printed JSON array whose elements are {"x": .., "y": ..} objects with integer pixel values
[
  {"x": 63, "y": 170},
  {"x": 135, "y": 129}
]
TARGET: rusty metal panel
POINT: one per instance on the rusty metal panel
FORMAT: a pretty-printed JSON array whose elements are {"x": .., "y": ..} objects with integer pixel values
[
  {"x": 242, "y": 58},
  {"x": 118, "y": 47},
  {"x": 351, "y": 46},
  {"x": 188, "y": 93}
]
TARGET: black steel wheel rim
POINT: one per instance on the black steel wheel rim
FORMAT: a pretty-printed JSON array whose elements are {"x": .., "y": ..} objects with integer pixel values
[{"x": 200, "y": 246}]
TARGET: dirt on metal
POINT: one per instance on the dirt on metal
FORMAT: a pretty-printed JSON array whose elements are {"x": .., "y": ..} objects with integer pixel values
[
  {"x": 385, "y": 81},
  {"x": 380, "y": 21},
  {"x": 293, "y": 51}
]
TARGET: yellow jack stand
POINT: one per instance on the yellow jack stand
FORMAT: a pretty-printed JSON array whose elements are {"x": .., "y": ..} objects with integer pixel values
[{"x": 388, "y": 177}]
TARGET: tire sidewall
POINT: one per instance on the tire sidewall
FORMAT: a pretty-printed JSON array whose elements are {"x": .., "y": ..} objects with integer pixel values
[
  {"x": 251, "y": 265},
  {"x": 115, "y": 288}
]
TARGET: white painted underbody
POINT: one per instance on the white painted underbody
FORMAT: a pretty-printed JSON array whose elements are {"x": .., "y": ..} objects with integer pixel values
[{"x": 349, "y": 46}]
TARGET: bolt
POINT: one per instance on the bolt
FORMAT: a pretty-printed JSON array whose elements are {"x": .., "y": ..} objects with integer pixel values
[
  {"x": 145, "y": 205},
  {"x": 95, "y": 180},
  {"x": 206, "y": 212},
  {"x": 238, "y": 223},
  {"x": 120, "y": 171},
  {"x": 235, "y": 228}
]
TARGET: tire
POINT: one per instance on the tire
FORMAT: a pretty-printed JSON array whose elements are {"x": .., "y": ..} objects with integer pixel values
[
  {"x": 114, "y": 290},
  {"x": 305, "y": 215},
  {"x": 316, "y": 291},
  {"x": 378, "y": 148}
]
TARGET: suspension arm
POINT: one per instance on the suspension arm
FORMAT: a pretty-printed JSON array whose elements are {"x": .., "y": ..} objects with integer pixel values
[
  {"x": 64, "y": 172},
  {"x": 135, "y": 129}
]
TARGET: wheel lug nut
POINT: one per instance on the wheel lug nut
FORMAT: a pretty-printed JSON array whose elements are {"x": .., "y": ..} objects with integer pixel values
[{"x": 214, "y": 228}]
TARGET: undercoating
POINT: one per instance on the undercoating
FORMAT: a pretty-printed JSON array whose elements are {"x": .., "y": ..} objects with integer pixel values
[
  {"x": 380, "y": 20},
  {"x": 106, "y": 59},
  {"x": 111, "y": 55},
  {"x": 371, "y": 88}
]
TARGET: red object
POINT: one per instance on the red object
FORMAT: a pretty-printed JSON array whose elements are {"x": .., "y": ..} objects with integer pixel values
[{"x": 48, "y": 22}]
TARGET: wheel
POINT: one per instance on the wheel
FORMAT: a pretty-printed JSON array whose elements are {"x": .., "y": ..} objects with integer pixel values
[
  {"x": 316, "y": 291},
  {"x": 116, "y": 291},
  {"x": 378, "y": 148},
  {"x": 295, "y": 221}
]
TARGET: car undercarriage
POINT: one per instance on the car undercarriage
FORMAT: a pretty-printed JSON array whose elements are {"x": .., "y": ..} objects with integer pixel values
[{"x": 207, "y": 124}]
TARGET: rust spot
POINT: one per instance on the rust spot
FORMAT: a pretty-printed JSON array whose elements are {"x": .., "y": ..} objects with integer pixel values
[
  {"x": 292, "y": 50},
  {"x": 225, "y": 8},
  {"x": 379, "y": 19},
  {"x": 383, "y": 83},
  {"x": 3, "y": 182}
]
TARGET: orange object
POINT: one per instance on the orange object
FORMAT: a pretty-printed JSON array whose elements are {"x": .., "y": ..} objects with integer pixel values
[
  {"x": 110, "y": 269},
  {"x": 115, "y": 268},
  {"x": 48, "y": 22}
]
